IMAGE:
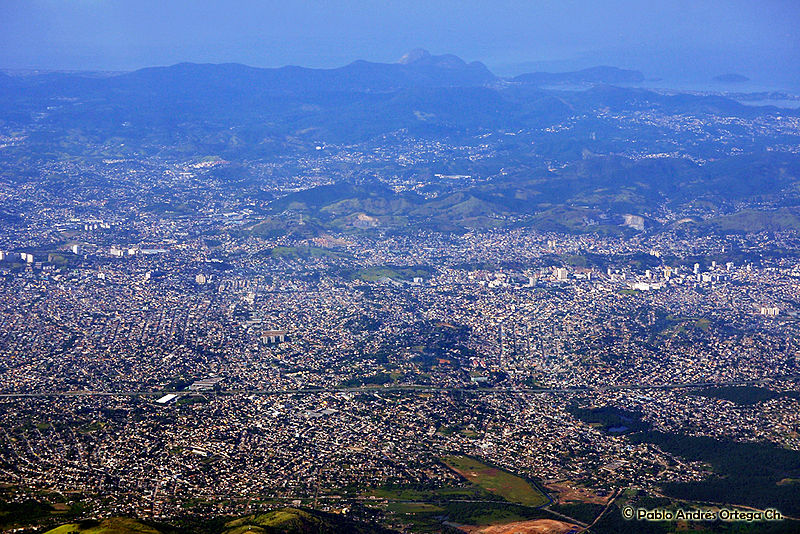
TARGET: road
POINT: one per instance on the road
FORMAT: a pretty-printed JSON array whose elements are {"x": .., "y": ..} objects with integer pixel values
[{"x": 390, "y": 389}]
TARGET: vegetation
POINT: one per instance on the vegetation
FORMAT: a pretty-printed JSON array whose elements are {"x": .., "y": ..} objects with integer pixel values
[
  {"x": 470, "y": 505},
  {"x": 282, "y": 521},
  {"x": 746, "y": 473},
  {"x": 24, "y": 513},
  {"x": 379, "y": 379},
  {"x": 430, "y": 494},
  {"x": 582, "y": 511},
  {"x": 754, "y": 221},
  {"x": 488, "y": 513},
  {"x": 294, "y": 253},
  {"x": 610, "y": 419},
  {"x": 502, "y": 483},
  {"x": 743, "y": 395},
  {"x": 298, "y": 521},
  {"x": 117, "y": 525}
]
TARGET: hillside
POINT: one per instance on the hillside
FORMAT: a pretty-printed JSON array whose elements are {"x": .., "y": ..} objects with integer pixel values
[
  {"x": 296, "y": 521},
  {"x": 116, "y": 525},
  {"x": 591, "y": 195},
  {"x": 283, "y": 521},
  {"x": 431, "y": 142}
]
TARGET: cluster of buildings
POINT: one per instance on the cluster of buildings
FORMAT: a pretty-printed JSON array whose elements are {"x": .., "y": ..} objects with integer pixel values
[
  {"x": 161, "y": 358},
  {"x": 275, "y": 380}
]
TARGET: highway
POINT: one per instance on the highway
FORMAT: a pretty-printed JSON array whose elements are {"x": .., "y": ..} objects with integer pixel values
[{"x": 391, "y": 389}]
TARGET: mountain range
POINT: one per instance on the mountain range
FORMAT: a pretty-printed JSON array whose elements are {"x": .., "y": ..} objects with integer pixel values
[
  {"x": 564, "y": 148},
  {"x": 238, "y": 111},
  {"x": 427, "y": 94},
  {"x": 417, "y": 68}
]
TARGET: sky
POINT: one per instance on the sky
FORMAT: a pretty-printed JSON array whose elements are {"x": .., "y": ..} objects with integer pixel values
[{"x": 697, "y": 38}]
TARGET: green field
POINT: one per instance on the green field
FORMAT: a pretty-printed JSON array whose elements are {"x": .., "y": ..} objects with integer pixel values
[
  {"x": 423, "y": 508},
  {"x": 508, "y": 486},
  {"x": 413, "y": 507},
  {"x": 434, "y": 495}
]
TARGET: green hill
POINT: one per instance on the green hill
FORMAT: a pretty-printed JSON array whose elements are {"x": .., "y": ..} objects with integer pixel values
[
  {"x": 283, "y": 521},
  {"x": 296, "y": 521},
  {"x": 753, "y": 221},
  {"x": 115, "y": 525}
]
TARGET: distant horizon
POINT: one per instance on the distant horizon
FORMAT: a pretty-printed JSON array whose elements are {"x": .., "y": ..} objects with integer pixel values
[
  {"x": 652, "y": 79},
  {"x": 676, "y": 40},
  {"x": 523, "y": 70}
]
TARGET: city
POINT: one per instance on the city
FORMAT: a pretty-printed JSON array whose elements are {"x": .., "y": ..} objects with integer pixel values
[{"x": 409, "y": 296}]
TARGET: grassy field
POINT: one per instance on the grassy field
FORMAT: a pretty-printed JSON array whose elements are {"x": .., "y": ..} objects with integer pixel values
[
  {"x": 468, "y": 505},
  {"x": 413, "y": 507},
  {"x": 511, "y": 487},
  {"x": 435, "y": 495}
]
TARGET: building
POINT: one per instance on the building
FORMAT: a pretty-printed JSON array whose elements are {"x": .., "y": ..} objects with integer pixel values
[
  {"x": 205, "y": 384},
  {"x": 167, "y": 398},
  {"x": 273, "y": 337}
]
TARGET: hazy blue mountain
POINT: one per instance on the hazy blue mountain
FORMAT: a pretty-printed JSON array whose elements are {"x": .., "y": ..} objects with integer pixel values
[
  {"x": 192, "y": 78},
  {"x": 239, "y": 112},
  {"x": 424, "y": 93}
]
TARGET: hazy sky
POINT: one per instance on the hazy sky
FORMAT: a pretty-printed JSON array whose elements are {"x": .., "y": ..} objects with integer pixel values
[{"x": 660, "y": 38}]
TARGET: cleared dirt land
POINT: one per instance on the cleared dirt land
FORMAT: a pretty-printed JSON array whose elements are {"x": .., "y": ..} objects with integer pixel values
[{"x": 536, "y": 526}]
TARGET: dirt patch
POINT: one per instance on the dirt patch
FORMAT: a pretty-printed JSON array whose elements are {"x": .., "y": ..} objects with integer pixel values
[
  {"x": 566, "y": 493},
  {"x": 535, "y": 526}
]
